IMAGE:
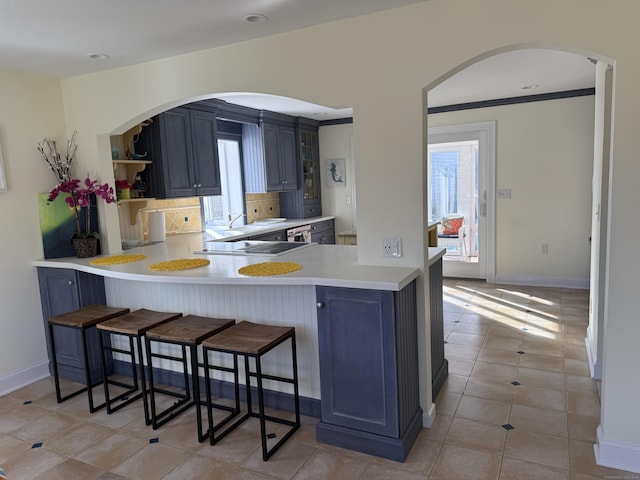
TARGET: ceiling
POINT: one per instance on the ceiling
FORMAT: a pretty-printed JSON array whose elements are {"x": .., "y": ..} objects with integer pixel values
[{"x": 57, "y": 38}]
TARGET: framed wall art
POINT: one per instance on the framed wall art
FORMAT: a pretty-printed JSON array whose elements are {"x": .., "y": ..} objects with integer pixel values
[{"x": 336, "y": 172}]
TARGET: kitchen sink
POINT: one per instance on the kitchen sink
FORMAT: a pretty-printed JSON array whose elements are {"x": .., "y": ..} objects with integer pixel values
[{"x": 221, "y": 232}]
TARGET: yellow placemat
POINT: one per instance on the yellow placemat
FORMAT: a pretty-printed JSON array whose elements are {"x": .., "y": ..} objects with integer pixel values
[
  {"x": 117, "y": 259},
  {"x": 181, "y": 264},
  {"x": 269, "y": 268}
]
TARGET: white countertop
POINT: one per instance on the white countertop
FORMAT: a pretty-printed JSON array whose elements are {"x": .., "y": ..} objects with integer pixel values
[{"x": 326, "y": 265}]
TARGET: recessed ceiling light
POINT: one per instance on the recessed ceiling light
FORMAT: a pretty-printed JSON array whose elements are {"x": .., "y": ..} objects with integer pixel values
[
  {"x": 255, "y": 18},
  {"x": 97, "y": 56},
  {"x": 321, "y": 114},
  {"x": 530, "y": 87}
]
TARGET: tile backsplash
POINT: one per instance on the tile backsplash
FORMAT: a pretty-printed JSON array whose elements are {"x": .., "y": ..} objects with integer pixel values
[
  {"x": 182, "y": 215},
  {"x": 262, "y": 205}
]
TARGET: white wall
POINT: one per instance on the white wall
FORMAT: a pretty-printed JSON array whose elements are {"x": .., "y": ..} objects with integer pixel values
[
  {"x": 31, "y": 109},
  {"x": 335, "y": 142},
  {"x": 384, "y": 63},
  {"x": 544, "y": 154}
]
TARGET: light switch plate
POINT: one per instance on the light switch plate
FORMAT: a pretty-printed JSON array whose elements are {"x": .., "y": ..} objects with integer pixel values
[{"x": 504, "y": 193}]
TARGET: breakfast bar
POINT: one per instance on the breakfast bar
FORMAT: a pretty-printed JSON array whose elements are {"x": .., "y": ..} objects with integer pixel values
[{"x": 356, "y": 326}]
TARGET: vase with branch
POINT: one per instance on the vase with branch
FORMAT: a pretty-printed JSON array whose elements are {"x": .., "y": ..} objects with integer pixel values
[{"x": 61, "y": 167}]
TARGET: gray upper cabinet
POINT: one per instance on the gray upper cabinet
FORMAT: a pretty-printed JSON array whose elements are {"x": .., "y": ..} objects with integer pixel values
[
  {"x": 183, "y": 144},
  {"x": 280, "y": 158},
  {"x": 270, "y": 157}
]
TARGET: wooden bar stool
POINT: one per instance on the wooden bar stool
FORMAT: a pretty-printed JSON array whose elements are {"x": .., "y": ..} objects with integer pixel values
[
  {"x": 133, "y": 325},
  {"x": 82, "y": 319},
  {"x": 188, "y": 332},
  {"x": 251, "y": 340}
]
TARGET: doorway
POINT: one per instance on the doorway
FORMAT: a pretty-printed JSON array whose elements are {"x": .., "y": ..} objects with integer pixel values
[{"x": 461, "y": 169}]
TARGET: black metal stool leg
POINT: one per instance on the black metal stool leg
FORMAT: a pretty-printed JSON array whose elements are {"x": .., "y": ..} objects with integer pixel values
[
  {"x": 296, "y": 393},
  {"x": 143, "y": 383},
  {"x": 195, "y": 377},
  {"x": 152, "y": 399},
  {"x": 263, "y": 427}
]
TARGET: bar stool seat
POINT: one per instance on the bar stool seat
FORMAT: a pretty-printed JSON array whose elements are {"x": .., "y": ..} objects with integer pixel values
[
  {"x": 188, "y": 331},
  {"x": 251, "y": 340},
  {"x": 133, "y": 325},
  {"x": 82, "y": 319}
]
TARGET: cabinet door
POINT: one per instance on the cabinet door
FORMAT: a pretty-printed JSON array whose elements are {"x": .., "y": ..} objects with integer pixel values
[
  {"x": 309, "y": 161},
  {"x": 63, "y": 291},
  {"x": 288, "y": 158},
  {"x": 356, "y": 337},
  {"x": 280, "y": 158},
  {"x": 271, "y": 157},
  {"x": 175, "y": 145},
  {"x": 205, "y": 153}
]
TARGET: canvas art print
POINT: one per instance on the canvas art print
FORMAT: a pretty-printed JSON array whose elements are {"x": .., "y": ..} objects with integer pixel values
[{"x": 57, "y": 225}]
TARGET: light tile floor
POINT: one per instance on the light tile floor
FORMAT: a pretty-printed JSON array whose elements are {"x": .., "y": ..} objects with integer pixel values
[{"x": 495, "y": 335}]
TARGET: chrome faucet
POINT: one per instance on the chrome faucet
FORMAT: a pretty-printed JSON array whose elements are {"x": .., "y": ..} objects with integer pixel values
[{"x": 233, "y": 219}]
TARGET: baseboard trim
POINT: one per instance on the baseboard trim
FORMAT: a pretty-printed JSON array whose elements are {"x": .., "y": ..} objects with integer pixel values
[
  {"x": 595, "y": 366},
  {"x": 272, "y": 399},
  {"x": 391, "y": 448},
  {"x": 533, "y": 281},
  {"x": 23, "y": 377},
  {"x": 429, "y": 417},
  {"x": 618, "y": 455}
]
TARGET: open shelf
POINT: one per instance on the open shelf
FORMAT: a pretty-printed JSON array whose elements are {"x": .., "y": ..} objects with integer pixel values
[
  {"x": 135, "y": 204},
  {"x": 132, "y": 167}
]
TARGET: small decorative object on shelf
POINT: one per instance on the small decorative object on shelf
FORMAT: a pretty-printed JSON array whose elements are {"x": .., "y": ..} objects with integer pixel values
[
  {"x": 123, "y": 189},
  {"x": 139, "y": 187}
]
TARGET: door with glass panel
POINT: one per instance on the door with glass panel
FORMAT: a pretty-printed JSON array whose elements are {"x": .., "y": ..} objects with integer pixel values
[{"x": 458, "y": 199}]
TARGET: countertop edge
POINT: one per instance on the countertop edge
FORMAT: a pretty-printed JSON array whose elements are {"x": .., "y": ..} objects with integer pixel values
[
  {"x": 435, "y": 254},
  {"x": 323, "y": 265}
]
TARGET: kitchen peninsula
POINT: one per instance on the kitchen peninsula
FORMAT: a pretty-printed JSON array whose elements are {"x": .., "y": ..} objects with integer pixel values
[{"x": 356, "y": 326}]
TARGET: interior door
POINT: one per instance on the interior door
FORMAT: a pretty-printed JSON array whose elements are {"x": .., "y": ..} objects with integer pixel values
[{"x": 461, "y": 174}]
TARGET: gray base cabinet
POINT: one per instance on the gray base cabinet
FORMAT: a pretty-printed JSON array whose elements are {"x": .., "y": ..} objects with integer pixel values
[
  {"x": 439, "y": 364},
  {"x": 369, "y": 370},
  {"x": 63, "y": 291},
  {"x": 324, "y": 232}
]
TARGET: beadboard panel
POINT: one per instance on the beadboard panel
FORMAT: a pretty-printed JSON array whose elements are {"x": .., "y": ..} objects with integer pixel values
[{"x": 276, "y": 305}]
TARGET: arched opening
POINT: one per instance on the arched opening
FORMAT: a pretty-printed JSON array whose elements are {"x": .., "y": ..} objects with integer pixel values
[
  {"x": 553, "y": 173},
  {"x": 237, "y": 116}
]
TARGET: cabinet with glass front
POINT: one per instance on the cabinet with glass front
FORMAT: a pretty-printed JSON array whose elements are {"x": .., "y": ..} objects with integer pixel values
[{"x": 306, "y": 202}]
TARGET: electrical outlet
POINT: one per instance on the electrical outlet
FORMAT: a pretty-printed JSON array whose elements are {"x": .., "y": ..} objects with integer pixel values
[
  {"x": 392, "y": 247},
  {"x": 544, "y": 248}
]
